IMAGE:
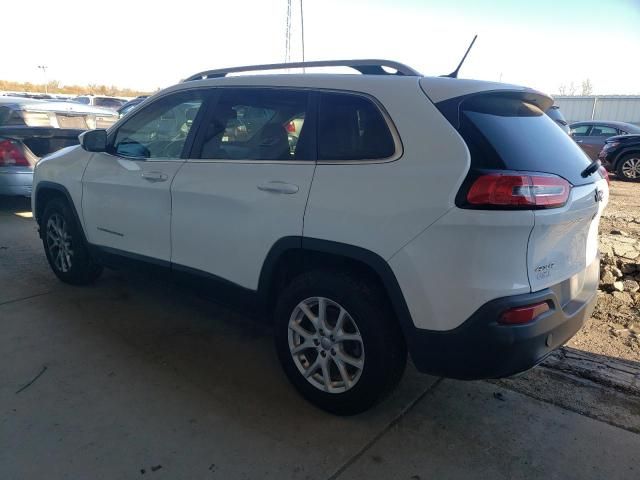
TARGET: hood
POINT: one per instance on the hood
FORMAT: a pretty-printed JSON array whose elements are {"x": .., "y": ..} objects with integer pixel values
[
  {"x": 65, "y": 107},
  {"x": 624, "y": 138}
]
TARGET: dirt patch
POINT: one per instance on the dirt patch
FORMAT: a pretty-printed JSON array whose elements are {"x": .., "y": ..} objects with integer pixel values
[{"x": 614, "y": 328}]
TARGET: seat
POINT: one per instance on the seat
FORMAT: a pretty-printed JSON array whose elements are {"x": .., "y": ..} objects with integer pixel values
[{"x": 274, "y": 143}]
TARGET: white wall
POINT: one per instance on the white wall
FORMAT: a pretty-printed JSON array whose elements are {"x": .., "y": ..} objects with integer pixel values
[{"x": 623, "y": 108}]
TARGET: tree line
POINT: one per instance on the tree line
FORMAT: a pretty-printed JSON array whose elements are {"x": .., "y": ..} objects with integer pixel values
[
  {"x": 586, "y": 88},
  {"x": 55, "y": 86}
]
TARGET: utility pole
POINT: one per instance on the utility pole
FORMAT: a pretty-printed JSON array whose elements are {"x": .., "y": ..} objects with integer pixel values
[
  {"x": 44, "y": 71},
  {"x": 287, "y": 48},
  {"x": 302, "y": 30}
]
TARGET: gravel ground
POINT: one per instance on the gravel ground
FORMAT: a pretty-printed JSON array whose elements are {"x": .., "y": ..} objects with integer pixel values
[{"x": 614, "y": 329}]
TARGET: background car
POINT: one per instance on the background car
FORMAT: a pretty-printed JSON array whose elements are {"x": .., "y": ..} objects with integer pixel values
[
  {"x": 621, "y": 154},
  {"x": 556, "y": 115},
  {"x": 31, "y": 129},
  {"x": 127, "y": 107},
  {"x": 103, "y": 102},
  {"x": 591, "y": 136}
]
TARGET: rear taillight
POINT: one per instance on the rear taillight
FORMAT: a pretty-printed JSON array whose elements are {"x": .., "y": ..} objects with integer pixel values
[
  {"x": 522, "y": 315},
  {"x": 604, "y": 174},
  {"x": 11, "y": 155},
  {"x": 38, "y": 119},
  {"x": 291, "y": 127},
  {"x": 516, "y": 190}
]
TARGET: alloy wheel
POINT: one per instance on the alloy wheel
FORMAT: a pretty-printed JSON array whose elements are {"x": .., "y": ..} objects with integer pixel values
[
  {"x": 631, "y": 168},
  {"x": 59, "y": 242},
  {"x": 326, "y": 345}
]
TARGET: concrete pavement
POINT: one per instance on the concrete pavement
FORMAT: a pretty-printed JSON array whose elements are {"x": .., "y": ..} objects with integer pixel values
[{"x": 142, "y": 379}]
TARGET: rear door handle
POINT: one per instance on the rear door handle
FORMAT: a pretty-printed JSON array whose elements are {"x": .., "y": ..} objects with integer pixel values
[
  {"x": 279, "y": 187},
  {"x": 154, "y": 177}
]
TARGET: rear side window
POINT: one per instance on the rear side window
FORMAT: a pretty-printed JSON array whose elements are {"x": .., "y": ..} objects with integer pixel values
[
  {"x": 505, "y": 133},
  {"x": 258, "y": 124},
  {"x": 351, "y": 127},
  {"x": 603, "y": 131}
]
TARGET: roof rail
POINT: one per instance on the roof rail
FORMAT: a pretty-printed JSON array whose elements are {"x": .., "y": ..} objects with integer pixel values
[{"x": 366, "y": 67}]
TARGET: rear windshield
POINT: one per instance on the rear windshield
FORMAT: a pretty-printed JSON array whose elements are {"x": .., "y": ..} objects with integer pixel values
[{"x": 505, "y": 133}]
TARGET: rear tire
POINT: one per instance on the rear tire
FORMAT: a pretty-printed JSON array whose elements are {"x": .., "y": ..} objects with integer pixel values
[
  {"x": 64, "y": 245},
  {"x": 629, "y": 168},
  {"x": 358, "y": 360}
]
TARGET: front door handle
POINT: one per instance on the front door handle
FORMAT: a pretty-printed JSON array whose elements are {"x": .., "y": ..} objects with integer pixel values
[
  {"x": 279, "y": 187},
  {"x": 154, "y": 177}
]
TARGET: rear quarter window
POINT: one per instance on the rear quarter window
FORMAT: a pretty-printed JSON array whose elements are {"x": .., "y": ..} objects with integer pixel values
[
  {"x": 505, "y": 133},
  {"x": 352, "y": 127}
]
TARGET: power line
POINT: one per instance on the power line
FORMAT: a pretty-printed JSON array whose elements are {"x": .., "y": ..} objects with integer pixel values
[
  {"x": 287, "y": 48},
  {"x": 302, "y": 30}
]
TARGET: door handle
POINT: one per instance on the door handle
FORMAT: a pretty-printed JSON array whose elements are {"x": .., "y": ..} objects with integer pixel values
[
  {"x": 279, "y": 187},
  {"x": 579, "y": 141},
  {"x": 154, "y": 177}
]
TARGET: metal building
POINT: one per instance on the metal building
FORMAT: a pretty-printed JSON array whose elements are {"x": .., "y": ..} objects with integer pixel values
[{"x": 623, "y": 108}]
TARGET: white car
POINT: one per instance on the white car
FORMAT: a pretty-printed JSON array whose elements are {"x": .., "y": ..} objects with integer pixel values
[{"x": 447, "y": 218}]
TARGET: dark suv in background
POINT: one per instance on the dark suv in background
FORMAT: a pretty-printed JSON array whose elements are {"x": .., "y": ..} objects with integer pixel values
[{"x": 621, "y": 154}]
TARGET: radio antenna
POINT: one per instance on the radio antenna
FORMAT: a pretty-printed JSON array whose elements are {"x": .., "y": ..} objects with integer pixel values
[{"x": 454, "y": 74}]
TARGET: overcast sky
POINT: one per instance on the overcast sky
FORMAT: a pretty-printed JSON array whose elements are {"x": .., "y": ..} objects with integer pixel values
[{"x": 150, "y": 44}]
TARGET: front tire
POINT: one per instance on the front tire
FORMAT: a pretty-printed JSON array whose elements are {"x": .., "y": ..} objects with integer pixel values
[
  {"x": 629, "y": 167},
  {"x": 64, "y": 245},
  {"x": 337, "y": 341}
]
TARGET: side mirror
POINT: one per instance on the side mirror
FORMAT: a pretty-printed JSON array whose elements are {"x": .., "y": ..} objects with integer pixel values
[{"x": 94, "y": 140}]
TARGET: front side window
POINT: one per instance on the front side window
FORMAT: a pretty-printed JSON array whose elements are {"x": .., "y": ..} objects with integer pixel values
[
  {"x": 580, "y": 130},
  {"x": 257, "y": 124},
  {"x": 351, "y": 127},
  {"x": 83, "y": 100},
  {"x": 159, "y": 130}
]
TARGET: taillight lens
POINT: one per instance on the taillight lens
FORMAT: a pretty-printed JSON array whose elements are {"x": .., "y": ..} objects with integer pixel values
[
  {"x": 522, "y": 315},
  {"x": 11, "y": 155},
  {"x": 604, "y": 174},
  {"x": 291, "y": 127},
  {"x": 515, "y": 190}
]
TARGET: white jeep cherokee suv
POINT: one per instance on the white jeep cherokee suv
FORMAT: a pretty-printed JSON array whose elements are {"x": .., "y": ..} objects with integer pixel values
[{"x": 368, "y": 215}]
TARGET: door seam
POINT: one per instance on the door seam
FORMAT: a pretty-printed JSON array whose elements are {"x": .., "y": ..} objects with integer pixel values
[
  {"x": 306, "y": 203},
  {"x": 175, "y": 175}
]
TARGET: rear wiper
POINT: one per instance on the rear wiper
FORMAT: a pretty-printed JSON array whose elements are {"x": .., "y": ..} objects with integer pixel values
[{"x": 591, "y": 169}]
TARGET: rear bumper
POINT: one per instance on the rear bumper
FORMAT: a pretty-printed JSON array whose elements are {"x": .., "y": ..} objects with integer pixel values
[
  {"x": 16, "y": 181},
  {"x": 482, "y": 348}
]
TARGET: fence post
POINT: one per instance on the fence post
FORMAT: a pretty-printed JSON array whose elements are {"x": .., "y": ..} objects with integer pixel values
[{"x": 593, "y": 110}]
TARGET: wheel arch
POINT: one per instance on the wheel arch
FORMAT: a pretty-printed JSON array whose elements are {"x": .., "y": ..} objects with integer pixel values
[
  {"x": 627, "y": 151},
  {"x": 45, "y": 192},
  {"x": 291, "y": 256}
]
